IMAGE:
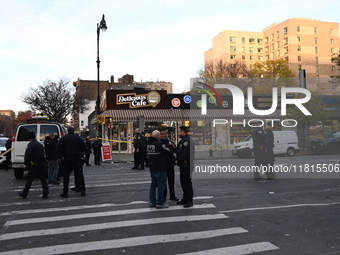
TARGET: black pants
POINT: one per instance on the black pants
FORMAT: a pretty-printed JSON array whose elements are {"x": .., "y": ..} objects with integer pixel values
[
  {"x": 139, "y": 158},
  {"x": 260, "y": 153},
  {"x": 97, "y": 155},
  {"x": 39, "y": 171},
  {"x": 170, "y": 172},
  {"x": 87, "y": 157},
  {"x": 186, "y": 184},
  {"x": 69, "y": 164}
]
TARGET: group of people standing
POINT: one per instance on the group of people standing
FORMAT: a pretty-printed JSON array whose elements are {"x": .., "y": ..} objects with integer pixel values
[
  {"x": 66, "y": 153},
  {"x": 162, "y": 156}
]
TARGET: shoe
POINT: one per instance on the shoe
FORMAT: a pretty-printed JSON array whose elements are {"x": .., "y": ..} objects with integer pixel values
[
  {"x": 45, "y": 196},
  {"x": 174, "y": 199},
  {"x": 83, "y": 194},
  {"x": 75, "y": 189},
  {"x": 22, "y": 195},
  {"x": 181, "y": 202},
  {"x": 189, "y": 204},
  {"x": 162, "y": 206},
  {"x": 152, "y": 205},
  {"x": 56, "y": 183},
  {"x": 134, "y": 168},
  {"x": 141, "y": 168},
  {"x": 64, "y": 195}
]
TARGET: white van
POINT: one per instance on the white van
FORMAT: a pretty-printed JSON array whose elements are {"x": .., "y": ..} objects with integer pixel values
[
  {"x": 285, "y": 142},
  {"x": 42, "y": 128}
]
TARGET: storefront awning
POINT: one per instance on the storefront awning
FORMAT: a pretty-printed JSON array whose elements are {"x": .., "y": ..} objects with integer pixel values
[{"x": 160, "y": 115}]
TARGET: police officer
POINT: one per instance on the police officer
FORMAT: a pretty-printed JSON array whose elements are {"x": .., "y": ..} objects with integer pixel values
[
  {"x": 259, "y": 147},
  {"x": 170, "y": 148},
  {"x": 97, "y": 150},
  {"x": 35, "y": 160},
  {"x": 270, "y": 152},
  {"x": 88, "y": 150},
  {"x": 185, "y": 161},
  {"x": 139, "y": 145},
  {"x": 69, "y": 149}
]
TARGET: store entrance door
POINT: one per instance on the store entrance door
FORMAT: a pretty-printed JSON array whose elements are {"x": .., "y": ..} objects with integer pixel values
[{"x": 120, "y": 135}]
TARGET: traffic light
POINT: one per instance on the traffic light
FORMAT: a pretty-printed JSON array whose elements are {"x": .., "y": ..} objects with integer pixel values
[{"x": 140, "y": 123}]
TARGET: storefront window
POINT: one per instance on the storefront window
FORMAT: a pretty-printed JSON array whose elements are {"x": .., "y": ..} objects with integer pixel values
[
  {"x": 238, "y": 133},
  {"x": 201, "y": 132}
]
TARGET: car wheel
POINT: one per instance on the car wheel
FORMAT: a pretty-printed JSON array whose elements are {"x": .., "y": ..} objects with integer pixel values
[
  {"x": 290, "y": 152},
  {"x": 18, "y": 173}
]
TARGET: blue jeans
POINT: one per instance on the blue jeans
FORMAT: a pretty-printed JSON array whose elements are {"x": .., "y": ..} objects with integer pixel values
[
  {"x": 53, "y": 170},
  {"x": 158, "y": 180}
]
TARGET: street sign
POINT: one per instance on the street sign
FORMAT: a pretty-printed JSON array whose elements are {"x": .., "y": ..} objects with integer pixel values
[{"x": 106, "y": 152}]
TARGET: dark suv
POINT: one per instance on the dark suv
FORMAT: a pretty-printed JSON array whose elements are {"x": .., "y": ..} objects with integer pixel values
[{"x": 329, "y": 145}]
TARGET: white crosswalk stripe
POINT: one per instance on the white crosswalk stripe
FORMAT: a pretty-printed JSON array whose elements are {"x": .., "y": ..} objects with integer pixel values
[{"x": 135, "y": 214}]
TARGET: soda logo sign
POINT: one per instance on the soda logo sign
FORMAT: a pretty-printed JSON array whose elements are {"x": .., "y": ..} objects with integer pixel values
[
  {"x": 238, "y": 100},
  {"x": 176, "y": 102}
]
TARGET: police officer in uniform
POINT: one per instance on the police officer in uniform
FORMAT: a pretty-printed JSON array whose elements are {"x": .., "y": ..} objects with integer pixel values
[
  {"x": 270, "y": 151},
  {"x": 35, "y": 160},
  {"x": 139, "y": 145},
  {"x": 259, "y": 146},
  {"x": 88, "y": 150},
  {"x": 185, "y": 161},
  {"x": 69, "y": 149},
  {"x": 170, "y": 148}
]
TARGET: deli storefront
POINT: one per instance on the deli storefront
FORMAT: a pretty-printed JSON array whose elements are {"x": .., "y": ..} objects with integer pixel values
[{"x": 218, "y": 129}]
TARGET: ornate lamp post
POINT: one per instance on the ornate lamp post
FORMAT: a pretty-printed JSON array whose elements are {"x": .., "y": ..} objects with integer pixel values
[{"x": 100, "y": 26}]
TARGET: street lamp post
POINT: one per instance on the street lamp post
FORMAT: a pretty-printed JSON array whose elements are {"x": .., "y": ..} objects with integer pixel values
[{"x": 100, "y": 26}]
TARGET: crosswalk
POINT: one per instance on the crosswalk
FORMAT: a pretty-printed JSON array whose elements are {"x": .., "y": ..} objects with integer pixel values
[
  {"x": 96, "y": 228},
  {"x": 89, "y": 226}
]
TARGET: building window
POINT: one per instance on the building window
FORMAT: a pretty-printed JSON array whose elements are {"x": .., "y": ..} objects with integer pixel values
[
  {"x": 316, "y": 69},
  {"x": 232, "y": 38},
  {"x": 316, "y": 40},
  {"x": 298, "y": 48},
  {"x": 272, "y": 46},
  {"x": 332, "y": 50},
  {"x": 251, "y": 57},
  {"x": 266, "y": 39},
  {"x": 232, "y": 56},
  {"x": 233, "y": 65},
  {"x": 298, "y": 38},
  {"x": 278, "y": 44},
  {"x": 316, "y": 50},
  {"x": 333, "y": 69},
  {"x": 299, "y": 58},
  {"x": 285, "y": 30},
  {"x": 267, "y": 49},
  {"x": 298, "y": 29},
  {"x": 285, "y": 40},
  {"x": 250, "y": 49},
  {"x": 260, "y": 50},
  {"x": 243, "y": 39},
  {"x": 287, "y": 59},
  {"x": 286, "y": 50},
  {"x": 267, "y": 57},
  {"x": 259, "y": 40},
  {"x": 260, "y": 58},
  {"x": 332, "y": 41},
  {"x": 243, "y": 57},
  {"x": 277, "y": 34},
  {"x": 315, "y": 30},
  {"x": 278, "y": 53},
  {"x": 299, "y": 67},
  {"x": 331, "y": 31},
  {"x": 243, "y": 49},
  {"x": 273, "y": 55},
  {"x": 82, "y": 123},
  {"x": 250, "y": 66},
  {"x": 232, "y": 48},
  {"x": 272, "y": 37},
  {"x": 316, "y": 60},
  {"x": 251, "y": 40}
]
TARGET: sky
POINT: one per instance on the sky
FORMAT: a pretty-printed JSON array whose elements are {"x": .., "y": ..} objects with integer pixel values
[{"x": 153, "y": 40}]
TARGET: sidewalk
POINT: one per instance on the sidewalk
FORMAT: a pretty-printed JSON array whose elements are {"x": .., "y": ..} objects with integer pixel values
[{"x": 222, "y": 154}]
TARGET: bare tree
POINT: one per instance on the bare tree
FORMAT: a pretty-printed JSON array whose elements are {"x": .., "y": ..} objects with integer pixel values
[{"x": 55, "y": 99}]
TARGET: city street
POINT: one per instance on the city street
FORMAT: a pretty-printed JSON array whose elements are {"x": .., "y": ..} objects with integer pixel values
[{"x": 232, "y": 214}]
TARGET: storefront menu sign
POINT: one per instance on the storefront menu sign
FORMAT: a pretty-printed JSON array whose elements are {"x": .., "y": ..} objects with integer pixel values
[{"x": 141, "y": 100}]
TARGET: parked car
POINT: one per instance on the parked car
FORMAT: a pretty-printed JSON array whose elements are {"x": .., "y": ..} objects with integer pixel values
[
  {"x": 285, "y": 142},
  {"x": 329, "y": 145},
  {"x": 42, "y": 127},
  {"x": 3, "y": 141}
]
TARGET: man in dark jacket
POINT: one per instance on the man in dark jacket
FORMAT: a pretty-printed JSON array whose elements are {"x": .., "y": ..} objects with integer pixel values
[
  {"x": 270, "y": 152},
  {"x": 88, "y": 150},
  {"x": 139, "y": 145},
  {"x": 185, "y": 161},
  {"x": 97, "y": 150},
  {"x": 260, "y": 147},
  {"x": 69, "y": 149},
  {"x": 170, "y": 171},
  {"x": 52, "y": 159},
  {"x": 35, "y": 161},
  {"x": 156, "y": 155}
]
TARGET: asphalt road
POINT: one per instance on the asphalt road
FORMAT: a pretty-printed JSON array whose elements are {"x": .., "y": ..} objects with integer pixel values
[{"x": 299, "y": 213}]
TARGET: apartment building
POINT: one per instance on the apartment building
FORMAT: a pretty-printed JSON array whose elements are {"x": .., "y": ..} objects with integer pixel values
[{"x": 305, "y": 43}]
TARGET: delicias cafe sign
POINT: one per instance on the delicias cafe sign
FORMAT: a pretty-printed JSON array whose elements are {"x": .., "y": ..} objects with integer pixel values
[{"x": 134, "y": 100}]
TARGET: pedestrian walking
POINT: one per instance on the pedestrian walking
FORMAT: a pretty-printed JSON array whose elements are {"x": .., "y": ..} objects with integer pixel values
[
  {"x": 50, "y": 145},
  {"x": 97, "y": 150},
  {"x": 88, "y": 150},
  {"x": 69, "y": 150},
  {"x": 170, "y": 148},
  {"x": 156, "y": 155},
  {"x": 139, "y": 146},
  {"x": 35, "y": 161},
  {"x": 185, "y": 161}
]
